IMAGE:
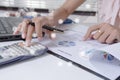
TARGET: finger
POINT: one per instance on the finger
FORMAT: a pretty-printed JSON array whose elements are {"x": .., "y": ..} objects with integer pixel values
[
  {"x": 103, "y": 37},
  {"x": 24, "y": 28},
  {"x": 38, "y": 27},
  {"x": 92, "y": 29},
  {"x": 29, "y": 35},
  {"x": 112, "y": 37},
  {"x": 17, "y": 31},
  {"x": 97, "y": 34},
  {"x": 89, "y": 32},
  {"x": 44, "y": 31},
  {"x": 91, "y": 36}
]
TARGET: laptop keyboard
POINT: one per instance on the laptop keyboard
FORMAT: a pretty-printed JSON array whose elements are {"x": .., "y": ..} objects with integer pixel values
[{"x": 8, "y": 23}]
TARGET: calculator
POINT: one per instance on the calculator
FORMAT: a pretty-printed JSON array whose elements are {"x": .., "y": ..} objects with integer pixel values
[{"x": 19, "y": 52}]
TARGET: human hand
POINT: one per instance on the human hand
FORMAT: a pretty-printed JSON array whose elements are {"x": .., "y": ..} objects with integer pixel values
[
  {"x": 28, "y": 30},
  {"x": 104, "y": 33}
]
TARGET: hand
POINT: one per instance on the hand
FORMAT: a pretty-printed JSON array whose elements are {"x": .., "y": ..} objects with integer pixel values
[
  {"x": 104, "y": 33},
  {"x": 27, "y": 30}
]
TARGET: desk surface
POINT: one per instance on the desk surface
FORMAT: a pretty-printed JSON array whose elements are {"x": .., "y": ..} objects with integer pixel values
[{"x": 45, "y": 68}]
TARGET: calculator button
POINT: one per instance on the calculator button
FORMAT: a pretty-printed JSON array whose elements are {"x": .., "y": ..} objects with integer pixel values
[
  {"x": 16, "y": 51},
  {"x": 41, "y": 47},
  {"x": 37, "y": 47},
  {"x": 8, "y": 53},
  {"x": 33, "y": 48},
  {"x": 21, "y": 50},
  {"x": 31, "y": 51}
]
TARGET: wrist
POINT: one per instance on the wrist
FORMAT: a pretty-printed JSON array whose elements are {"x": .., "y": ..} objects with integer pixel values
[{"x": 52, "y": 19}]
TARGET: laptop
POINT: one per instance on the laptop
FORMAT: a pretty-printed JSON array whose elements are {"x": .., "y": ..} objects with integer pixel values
[{"x": 7, "y": 26}]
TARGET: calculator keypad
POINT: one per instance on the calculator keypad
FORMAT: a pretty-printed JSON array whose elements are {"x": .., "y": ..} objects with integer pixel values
[{"x": 19, "y": 49}]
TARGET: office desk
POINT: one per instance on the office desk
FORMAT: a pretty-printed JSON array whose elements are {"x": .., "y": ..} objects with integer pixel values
[{"x": 47, "y": 67}]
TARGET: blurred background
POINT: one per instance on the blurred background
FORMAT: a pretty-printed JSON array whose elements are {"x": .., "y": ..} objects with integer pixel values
[
  {"x": 89, "y": 5},
  {"x": 86, "y": 12}
]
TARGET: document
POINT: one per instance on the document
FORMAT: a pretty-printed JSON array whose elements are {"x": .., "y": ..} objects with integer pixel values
[{"x": 101, "y": 58}]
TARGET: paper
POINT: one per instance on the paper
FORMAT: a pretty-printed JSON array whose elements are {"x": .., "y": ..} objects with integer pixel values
[
  {"x": 71, "y": 45},
  {"x": 91, "y": 19}
]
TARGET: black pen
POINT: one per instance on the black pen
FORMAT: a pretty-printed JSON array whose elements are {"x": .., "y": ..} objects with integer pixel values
[{"x": 48, "y": 27}]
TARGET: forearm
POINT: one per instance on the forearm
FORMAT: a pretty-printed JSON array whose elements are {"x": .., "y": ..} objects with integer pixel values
[{"x": 65, "y": 10}]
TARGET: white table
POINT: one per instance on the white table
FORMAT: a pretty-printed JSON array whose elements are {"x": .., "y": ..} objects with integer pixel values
[{"x": 47, "y": 67}]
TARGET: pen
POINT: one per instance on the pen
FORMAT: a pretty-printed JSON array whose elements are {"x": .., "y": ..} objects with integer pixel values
[{"x": 48, "y": 27}]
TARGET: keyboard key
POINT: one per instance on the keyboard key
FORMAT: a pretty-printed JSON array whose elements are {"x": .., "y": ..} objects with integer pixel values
[
  {"x": 9, "y": 30},
  {"x": 1, "y": 27},
  {"x": 4, "y": 24}
]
